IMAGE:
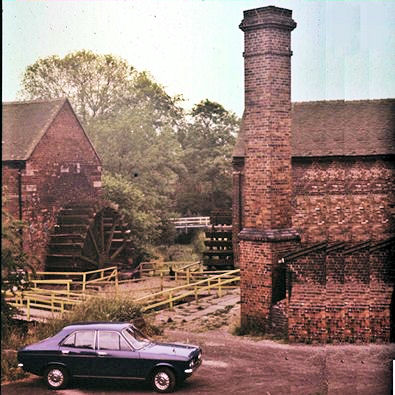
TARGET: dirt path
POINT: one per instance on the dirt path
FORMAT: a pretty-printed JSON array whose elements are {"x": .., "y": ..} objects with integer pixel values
[{"x": 234, "y": 365}]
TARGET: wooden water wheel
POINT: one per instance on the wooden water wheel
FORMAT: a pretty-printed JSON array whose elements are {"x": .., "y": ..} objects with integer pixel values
[{"x": 87, "y": 237}]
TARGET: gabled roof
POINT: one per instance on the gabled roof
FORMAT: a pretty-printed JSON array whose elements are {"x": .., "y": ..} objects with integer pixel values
[
  {"x": 339, "y": 128},
  {"x": 24, "y": 123}
]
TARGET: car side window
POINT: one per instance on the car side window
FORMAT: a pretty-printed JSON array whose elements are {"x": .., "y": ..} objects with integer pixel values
[
  {"x": 112, "y": 341},
  {"x": 85, "y": 339},
  {"x": 81, "y": 339}
]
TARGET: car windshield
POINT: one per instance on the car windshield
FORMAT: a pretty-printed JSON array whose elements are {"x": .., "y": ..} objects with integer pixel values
[{"x": 135, "y": 338}]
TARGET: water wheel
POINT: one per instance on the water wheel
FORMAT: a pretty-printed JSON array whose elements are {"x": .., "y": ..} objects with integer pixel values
[{"x": 87, "y": 237}]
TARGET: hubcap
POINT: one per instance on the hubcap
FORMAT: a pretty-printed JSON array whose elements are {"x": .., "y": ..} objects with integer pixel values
[
  {"x": 55, "y": 378},
  {"x": 162, "y": 381}
]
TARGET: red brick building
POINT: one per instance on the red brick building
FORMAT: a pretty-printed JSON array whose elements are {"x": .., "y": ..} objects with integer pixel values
[
  {"x": 47, "y": 162},
  {"x": 313, "y": 201}
]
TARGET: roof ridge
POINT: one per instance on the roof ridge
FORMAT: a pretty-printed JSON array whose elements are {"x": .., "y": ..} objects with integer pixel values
[
  {"x": 388, "y": 99},
  {"x": 34, "y": 101}
]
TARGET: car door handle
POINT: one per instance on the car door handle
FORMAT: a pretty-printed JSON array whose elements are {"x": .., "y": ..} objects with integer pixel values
[{"x": 101, "y": 353}]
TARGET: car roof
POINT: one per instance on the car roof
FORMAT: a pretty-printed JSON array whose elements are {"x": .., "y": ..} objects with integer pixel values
[{"x": 98, "y": 325}]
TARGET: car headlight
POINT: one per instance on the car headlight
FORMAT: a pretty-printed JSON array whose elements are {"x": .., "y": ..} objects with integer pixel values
[
  {"x": 191, "y": 363},
  {"x": 200, "y": 355}
]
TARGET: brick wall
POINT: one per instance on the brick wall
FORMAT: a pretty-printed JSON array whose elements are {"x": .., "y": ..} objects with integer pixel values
[
  {"x": 9, "y": 176},
  {"x": 345, "y": 199},
  {"x": 353, "y": 304},
  {"x": 63, "y": 168}
]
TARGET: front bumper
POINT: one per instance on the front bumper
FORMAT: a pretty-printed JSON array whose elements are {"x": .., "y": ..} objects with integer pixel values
[{"x": 192, "y": 368}]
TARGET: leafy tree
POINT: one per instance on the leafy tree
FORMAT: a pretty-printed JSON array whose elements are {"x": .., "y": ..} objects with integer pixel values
[
  {"x": 149, "y": 225},
  {"x": 95, "y": 84},
  {"x": 98, "y": 86},
  {"x": 207, "y": 144}
]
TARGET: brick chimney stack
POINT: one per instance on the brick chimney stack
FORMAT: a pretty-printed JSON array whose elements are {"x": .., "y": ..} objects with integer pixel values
[{"x": 267, "y": 184}]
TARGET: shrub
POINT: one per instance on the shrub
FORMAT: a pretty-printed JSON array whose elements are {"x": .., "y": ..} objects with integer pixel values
[{"x": 9, "y": 366}]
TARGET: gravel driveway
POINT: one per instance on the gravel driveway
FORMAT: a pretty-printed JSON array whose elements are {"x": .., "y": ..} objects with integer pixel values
[{"x": 238, "y": 365}]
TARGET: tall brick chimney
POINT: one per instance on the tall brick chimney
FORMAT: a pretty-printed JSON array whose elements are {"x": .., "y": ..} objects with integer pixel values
[{"x": 266, "y": 186}]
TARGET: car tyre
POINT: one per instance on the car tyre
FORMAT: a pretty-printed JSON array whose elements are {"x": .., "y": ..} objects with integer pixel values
[
  {"x": 163, "y": 380},
  {"x": 56, "y": 377}
]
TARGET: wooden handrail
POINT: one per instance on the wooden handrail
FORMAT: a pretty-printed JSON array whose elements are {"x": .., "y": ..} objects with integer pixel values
[
  {"x": 171, "y": 299},
  {"x": 179, "y": 288}
]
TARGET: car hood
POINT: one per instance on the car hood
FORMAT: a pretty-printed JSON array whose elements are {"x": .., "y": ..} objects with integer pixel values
[{"x": 170, "y": 350}]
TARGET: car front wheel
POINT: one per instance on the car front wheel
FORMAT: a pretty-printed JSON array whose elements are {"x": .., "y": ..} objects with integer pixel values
[
  {"x": 56, "y": 377},
  {"x": 163, "y": 380}
]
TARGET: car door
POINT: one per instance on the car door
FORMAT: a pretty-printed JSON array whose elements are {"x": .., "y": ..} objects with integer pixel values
[
  {"x": 115, "y": 357},
  {"x": 78, "y": 352}
]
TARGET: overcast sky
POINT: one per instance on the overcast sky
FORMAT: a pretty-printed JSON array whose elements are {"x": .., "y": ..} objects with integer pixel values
[{"x": 342, "y": 49}]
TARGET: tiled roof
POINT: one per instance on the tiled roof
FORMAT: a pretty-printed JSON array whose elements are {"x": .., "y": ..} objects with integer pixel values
[
  {"x": 345, "y": 128},
  {"x": 24, "y": 124}
]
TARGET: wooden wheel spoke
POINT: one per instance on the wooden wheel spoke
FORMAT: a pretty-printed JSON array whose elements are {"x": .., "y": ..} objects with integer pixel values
[
  {"x": 102, "y": 230},
  {"x": 92, "y": 236},
  {"x": 86, "y": 259},
  {"x": 111, "y": 235},
  {"x": 119, "y": 250}
]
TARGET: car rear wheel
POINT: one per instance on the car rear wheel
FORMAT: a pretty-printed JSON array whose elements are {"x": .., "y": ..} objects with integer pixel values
[
  {"x": 56, "y": 377},
  {"x": 163, "y": 380}
]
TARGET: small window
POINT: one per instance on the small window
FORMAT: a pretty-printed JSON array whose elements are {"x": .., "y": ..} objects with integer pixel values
[
  {"x": 70, "y": 341},
  {"x": 112, "y": 341}
]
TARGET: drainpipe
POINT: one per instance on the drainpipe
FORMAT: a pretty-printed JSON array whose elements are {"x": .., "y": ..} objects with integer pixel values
[
  {"x": 20, "y": 193},
  {"x": 20, "y": 202}
]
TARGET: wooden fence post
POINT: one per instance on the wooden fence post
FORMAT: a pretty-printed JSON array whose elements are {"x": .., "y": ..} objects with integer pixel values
[
  {"x": 28, "y": 308},
  {"x": 196, "y": 294},
  {"x": 83, "y": 282},
  {"x": 171, "y": 300},
  {"x": 52, "y": 302},
  {"x": 219, "y": 288},
  {"x": 161, "y": 281}
]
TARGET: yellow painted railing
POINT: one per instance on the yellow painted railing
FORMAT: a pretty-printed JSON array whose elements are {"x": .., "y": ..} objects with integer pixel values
[
  {"x": 60, "y": 300},
  {"x": 79, "y": 278},
  {"x": 169, "y": 296},
  {"x": 45, "y": 299}
]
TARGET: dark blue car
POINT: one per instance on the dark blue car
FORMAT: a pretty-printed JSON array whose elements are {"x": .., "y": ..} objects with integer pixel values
[{"x": 109, "y": 350}]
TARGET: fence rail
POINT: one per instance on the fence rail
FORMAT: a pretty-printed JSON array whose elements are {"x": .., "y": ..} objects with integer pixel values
[
  {"x": 191, "y": 222},
  {"x": 196, "y": 283},
  {"x": 181, "y": 292},
  {"x": 85, "y": 278}
]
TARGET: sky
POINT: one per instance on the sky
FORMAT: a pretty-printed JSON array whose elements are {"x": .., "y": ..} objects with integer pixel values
[{"x": 342, "y": 49}]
